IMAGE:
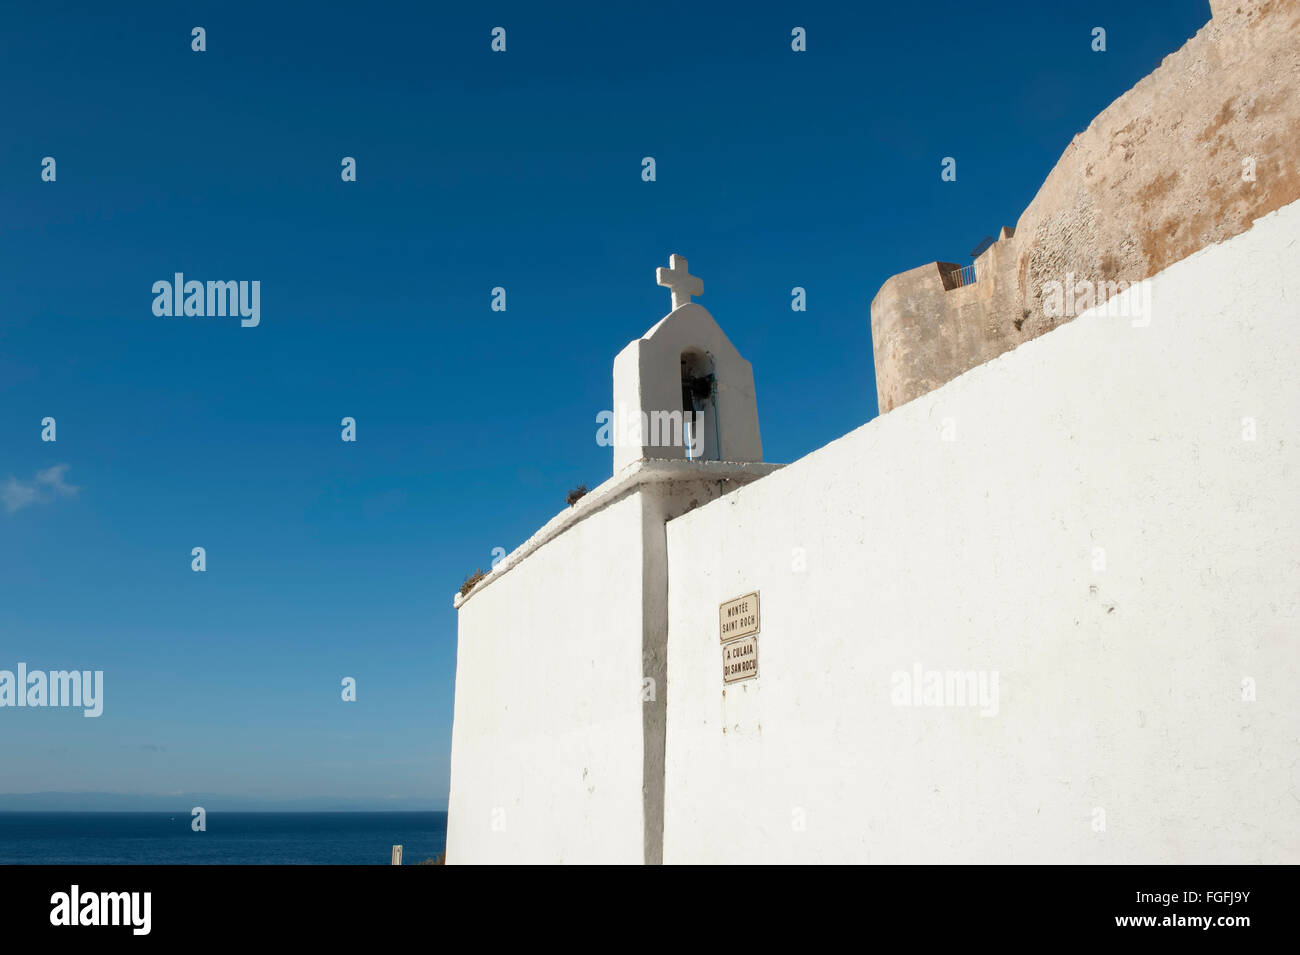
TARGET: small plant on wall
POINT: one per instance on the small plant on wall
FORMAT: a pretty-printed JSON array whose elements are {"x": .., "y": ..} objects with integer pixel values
[{"x": 471, "y": 581}]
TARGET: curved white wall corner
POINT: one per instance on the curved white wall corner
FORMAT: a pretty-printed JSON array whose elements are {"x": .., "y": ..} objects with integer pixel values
[
  {"x": 546, "y": 754},
  {"x": 961, "y": 533},
  {"x": 557, "y": 746}
]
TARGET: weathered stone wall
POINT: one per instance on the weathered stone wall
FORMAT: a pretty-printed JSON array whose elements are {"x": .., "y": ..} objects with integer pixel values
[{"x": 1156, "y": 176}]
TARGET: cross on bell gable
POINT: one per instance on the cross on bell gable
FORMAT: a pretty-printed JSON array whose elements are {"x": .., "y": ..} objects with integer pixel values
[{"x": 679, "y": 281}]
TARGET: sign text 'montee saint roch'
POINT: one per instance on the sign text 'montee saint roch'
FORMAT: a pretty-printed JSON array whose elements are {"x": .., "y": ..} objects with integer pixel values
[
  {"x": 738, "y": 617},
  {"x": 737, "y": 629}
]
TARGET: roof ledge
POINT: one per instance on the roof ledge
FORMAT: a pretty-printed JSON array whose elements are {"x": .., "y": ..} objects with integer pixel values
[{"x": 646, "y": 471}]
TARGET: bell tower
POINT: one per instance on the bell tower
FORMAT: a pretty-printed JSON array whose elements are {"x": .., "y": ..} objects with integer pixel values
[{"x": 683, "y": 391}]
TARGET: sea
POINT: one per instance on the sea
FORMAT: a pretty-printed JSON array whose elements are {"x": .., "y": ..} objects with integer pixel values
[{"x": 231, "y": 838}]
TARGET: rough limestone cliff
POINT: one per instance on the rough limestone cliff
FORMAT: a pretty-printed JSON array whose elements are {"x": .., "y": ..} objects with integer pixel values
[{"x": 1189, "y": 157}]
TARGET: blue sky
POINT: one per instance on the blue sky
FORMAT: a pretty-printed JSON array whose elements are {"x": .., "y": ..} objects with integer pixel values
[{"x": 474, "y": 169}]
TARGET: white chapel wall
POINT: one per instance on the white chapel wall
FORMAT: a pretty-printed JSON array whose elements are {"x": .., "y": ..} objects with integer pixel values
[
  {"x": 1121, "y": 733},
  {"x": 546, "y": 757}
]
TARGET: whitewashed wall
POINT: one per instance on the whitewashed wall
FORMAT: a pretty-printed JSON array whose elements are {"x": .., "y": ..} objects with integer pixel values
[
  {"x": 548, "y": 722},
  {"x": 1119, "y": 689},
  {"x": 557, "y": 750}
]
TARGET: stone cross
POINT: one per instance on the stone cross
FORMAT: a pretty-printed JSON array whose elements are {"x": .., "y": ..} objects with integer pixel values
[{"x": 679, "y": 280}]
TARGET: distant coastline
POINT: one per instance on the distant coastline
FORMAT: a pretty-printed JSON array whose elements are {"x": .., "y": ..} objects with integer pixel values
[
  {"x": 129, "y": 837},
  {"x": 215, "y": 802}
]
